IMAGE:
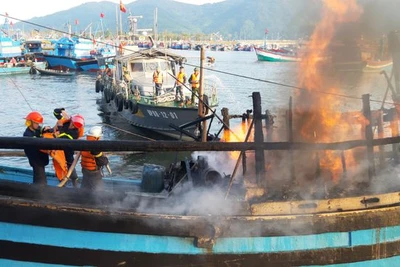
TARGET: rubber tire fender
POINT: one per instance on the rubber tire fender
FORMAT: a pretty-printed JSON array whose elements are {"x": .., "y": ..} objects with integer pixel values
[
  {"x": 120, "y": 102},
  {"x": 97, "y": 87},
  {"x": 107, "y": 95},
  {"x": 133, "y": 106}
]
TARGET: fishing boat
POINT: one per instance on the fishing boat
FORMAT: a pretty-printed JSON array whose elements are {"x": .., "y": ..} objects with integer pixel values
[
  {"x": 95, "y": 64},
  {"x": 52, "y": 72},
  {"x": 131, "y": 94},
  {"x": 20, "y": 66},
  {"x": 276, "y": 55},
  {"x": 34, "y": 49},
  {"x": 68, "y": 52},
  {"x": 192, "y": 213}
]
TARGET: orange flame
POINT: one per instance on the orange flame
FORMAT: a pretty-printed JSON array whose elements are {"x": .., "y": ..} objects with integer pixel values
[
  {"x": 320, "y": 119},
  {"x": 237, "y": 134}
]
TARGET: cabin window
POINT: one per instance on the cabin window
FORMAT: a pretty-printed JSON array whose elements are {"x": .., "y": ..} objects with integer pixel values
[
  {"x": 165, "y": 66},
  {"x": 137, "y": 67},
  {"x": 151, "y": 66}
]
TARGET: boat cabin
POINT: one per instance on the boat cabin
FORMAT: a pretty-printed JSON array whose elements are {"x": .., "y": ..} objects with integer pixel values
[{"x": 139, "y": 72}]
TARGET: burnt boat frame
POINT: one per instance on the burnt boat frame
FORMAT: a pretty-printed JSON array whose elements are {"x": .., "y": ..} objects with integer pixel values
[{"x": 76, "y": 209}]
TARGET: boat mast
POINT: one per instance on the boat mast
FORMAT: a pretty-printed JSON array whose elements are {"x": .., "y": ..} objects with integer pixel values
[
  {"x": 156, "y": 25},
  {"x": 116, "y": 17}
]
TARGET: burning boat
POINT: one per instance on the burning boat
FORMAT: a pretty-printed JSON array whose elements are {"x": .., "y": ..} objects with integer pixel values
[
  {"x": 195, "y": 214},
  {"x": 326, "y": 192}
]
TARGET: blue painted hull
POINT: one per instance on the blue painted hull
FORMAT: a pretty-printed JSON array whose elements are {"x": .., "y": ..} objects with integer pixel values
[
  {"x": 61, "y": 62},
  {"x": 71, "y": 227},
  {"x": 20, "y": 70}
]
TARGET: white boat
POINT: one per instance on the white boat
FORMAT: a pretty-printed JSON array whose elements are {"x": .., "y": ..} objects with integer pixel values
[{"x": 276, "y": 55}]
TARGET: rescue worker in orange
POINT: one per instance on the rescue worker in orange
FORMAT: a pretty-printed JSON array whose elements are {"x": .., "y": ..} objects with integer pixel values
[
  {"x": 71, "y": 129},
  {"x": 180, "y": 81},
  {"x": 108, "y": 71},
  {"x": 158, "y": 80},
  {"x": 92, "y": 162},
  {"x": 194, "y": 80},
  {"x": 37, "y": 159}
]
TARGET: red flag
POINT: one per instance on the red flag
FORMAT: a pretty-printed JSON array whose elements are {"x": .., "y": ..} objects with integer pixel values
[
  {"x": 101, "y": 15},
  {"x": 76, "y": 22},
  {"x": 122, "y": 6}
]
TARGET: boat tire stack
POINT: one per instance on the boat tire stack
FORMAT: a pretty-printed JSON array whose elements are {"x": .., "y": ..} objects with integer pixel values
[{"x": 99, "y": 86}]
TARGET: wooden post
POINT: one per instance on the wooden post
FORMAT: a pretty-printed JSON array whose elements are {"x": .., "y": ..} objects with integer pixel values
[
  {"x": 344, "y": 167},
  {"x": 290, "y": 139},
  {"x": 394, "y": 126},
  {"x": 258, "y": 138},
  {"x": 369, "y": 136},
  {"x": 201, "y": 92},
  {"x": 269, "y": 123},
  {"x": 380, "y": 135},
  {"x": 225, "y": 119}
]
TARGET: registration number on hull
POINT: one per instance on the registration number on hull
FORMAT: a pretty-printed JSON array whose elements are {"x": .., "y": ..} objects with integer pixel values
[{"x": 162, "y": 114}]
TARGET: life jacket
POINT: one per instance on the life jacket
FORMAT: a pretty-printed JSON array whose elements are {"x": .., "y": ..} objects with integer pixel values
[
  {"x": 88, "y": 161},
  {"x": 195, "y": 80},
  {"x": 181, "y": 78},
  {"x": 59, "y": 162},
  {"x": 157, "y": 77}
]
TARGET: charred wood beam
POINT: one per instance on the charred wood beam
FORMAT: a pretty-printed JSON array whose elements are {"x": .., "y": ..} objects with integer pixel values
[{"x": 159, "y": 146}]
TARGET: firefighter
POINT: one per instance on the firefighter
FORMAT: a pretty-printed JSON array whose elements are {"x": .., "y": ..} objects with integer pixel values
[
  {"x": 37, "y": 159},
  {"x": 92, "y": 162},
  {"x": 71, "y": 129}
]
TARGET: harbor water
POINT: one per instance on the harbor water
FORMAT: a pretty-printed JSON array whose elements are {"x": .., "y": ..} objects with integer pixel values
[{"x": 238, "y": 75}]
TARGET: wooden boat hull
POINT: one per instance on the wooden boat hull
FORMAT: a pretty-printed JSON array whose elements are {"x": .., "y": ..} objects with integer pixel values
[
  {"x": 364, "y": 66},
  {"x": 264, "y": 55},
  {"x": 51, "y": 72},
  {"x": 74, "y": 227},
  {"x": 92, "y": 235}
]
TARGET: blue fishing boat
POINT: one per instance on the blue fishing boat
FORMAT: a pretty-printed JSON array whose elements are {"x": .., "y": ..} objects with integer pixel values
[
  {"x": 12, "y": 61},
  {"x": 68, "y": 51}
]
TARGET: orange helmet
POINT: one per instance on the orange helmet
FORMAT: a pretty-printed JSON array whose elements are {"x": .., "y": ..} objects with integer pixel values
[
  {"x": 78, "y": 121},
  {"x": 35, "y": 116}
]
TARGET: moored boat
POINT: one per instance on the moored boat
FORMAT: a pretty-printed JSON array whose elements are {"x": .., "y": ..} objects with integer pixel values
[
  {"x": 20, "y": 68},
  {"x": 276, "y": 55},
  {"x": 52, "y": 72},
  {"x": 131, "y": 93}
]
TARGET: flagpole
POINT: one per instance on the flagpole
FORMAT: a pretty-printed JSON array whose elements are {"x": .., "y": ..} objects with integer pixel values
[
  {"x": 116, "y": 16},
  {"x": 120, "y": 22}
]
